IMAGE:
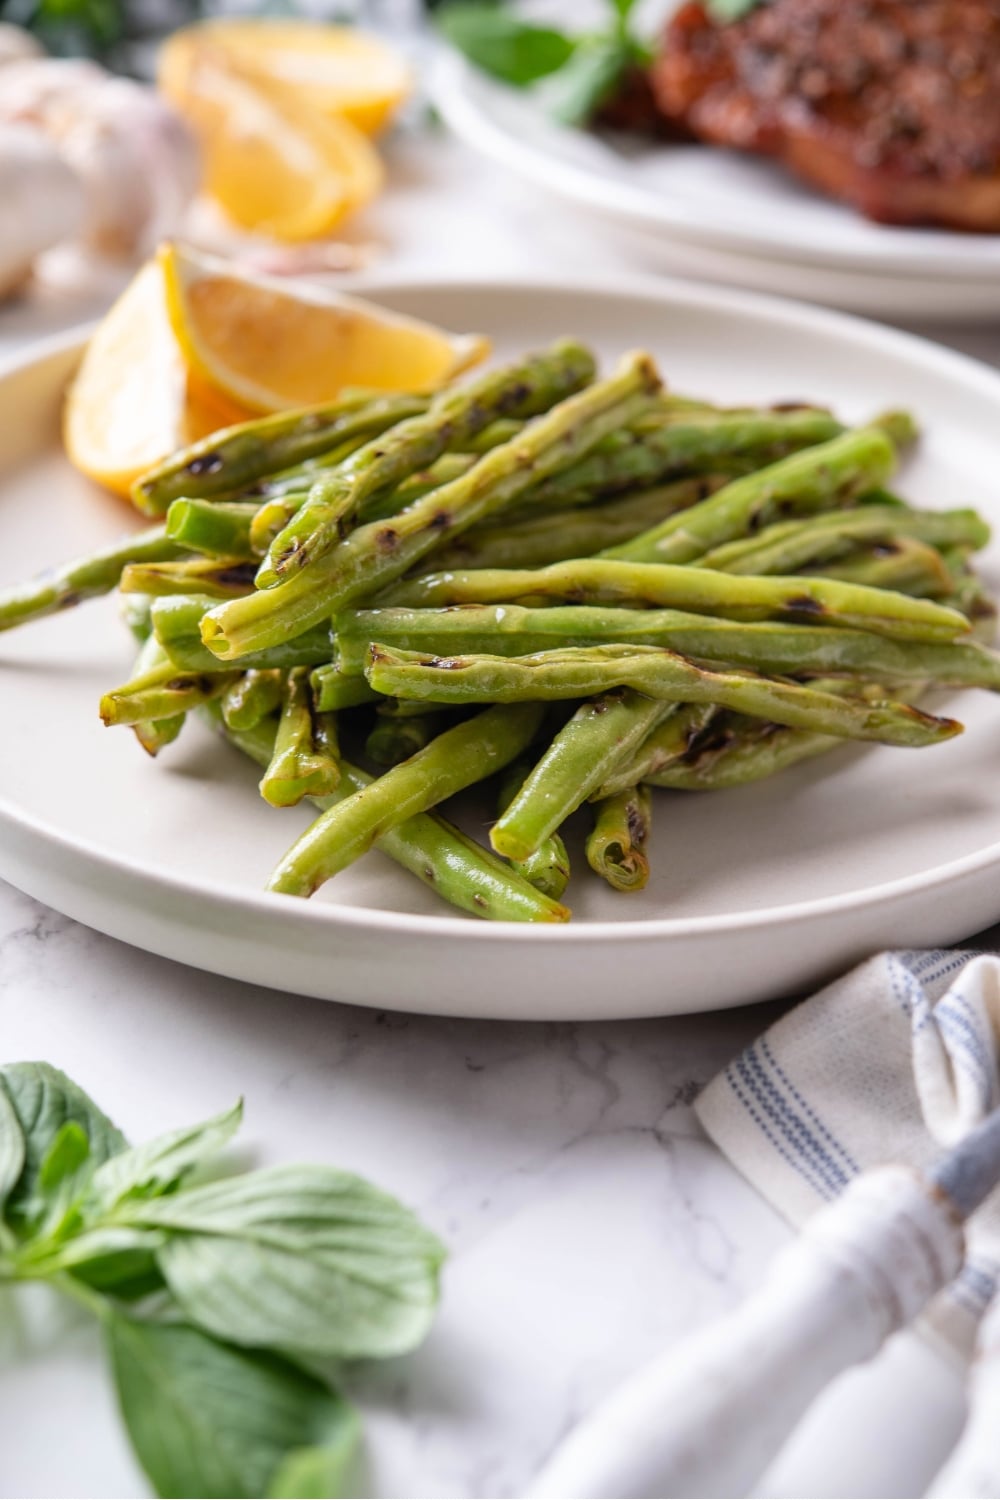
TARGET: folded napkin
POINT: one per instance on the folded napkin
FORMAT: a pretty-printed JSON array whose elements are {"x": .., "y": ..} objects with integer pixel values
[{"x": 890, "y": 1064}]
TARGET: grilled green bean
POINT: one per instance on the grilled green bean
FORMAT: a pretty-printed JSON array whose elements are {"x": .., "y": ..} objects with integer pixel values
[
  {"x": 457, "y": 758},
  {"x": 830, "y": 474},
  {"x": 582, "y": 672},
  {"x": 376, "y": 555},
  {"x": 616, "y": 847}
]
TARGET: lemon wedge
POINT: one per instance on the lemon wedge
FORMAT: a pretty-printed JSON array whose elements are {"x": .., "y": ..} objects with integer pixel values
[
  {"x": 273, "y": 161},
  {"x": 132, "y": 401},
  {"x": 337, "y": 70},
  {"x": 271, "y": 344}
]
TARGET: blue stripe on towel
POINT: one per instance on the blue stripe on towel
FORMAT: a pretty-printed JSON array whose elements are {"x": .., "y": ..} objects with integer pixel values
[
  {"x": 837, "y": 1146},
  {"x": 784, "y": 1126},
  {"x": 733, "y": 1075},
  {"x": 962, "y": 1034}
]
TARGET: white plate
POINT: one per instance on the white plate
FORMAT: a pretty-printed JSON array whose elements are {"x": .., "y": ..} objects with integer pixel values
[
  {"x": 886, "y": 297},
  {"x": 720, "y": 199},
  {"x": 755, "y": 892}
]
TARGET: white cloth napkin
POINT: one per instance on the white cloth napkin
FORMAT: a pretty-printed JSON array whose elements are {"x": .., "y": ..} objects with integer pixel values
[{"x": 892, "y": 1063}]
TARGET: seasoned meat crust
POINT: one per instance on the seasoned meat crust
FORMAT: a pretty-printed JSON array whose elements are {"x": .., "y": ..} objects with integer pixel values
[{"x": 892, "y": 105}]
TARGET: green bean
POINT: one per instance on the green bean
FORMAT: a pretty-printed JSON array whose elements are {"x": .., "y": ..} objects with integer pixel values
[
  {"x": 453, "y": 418},
  {"x": 665, "y": 745},
  {"x": 461, "y": 871},
  {"x": 582, "y": 672},
  {"x": 177, "y": 621},
  {"x": 211, "y": 577},
  {"x": 903, "y": 564},
  {"x": 547, "y": 867},
  {"x": 602, "y": 733},
  {"x": 218, "y": 528},
  {"x": 616, "y": 847},
  {"x": 331, "y": 690},
  {"x": 459, "y": 757},
  {"x": 553, "y": 538},
  {"x": 395, "y": 739},
  {"x": 301, "y": 764},
  {"x": 154, "y": 734},
  {"x": 376, "y": 555},
  {"x": 598, "y": 580},
  {"x": 162, "y": 692},
  {"x": 252, "y": 697},
  {"x": 829, "y": 474},
  {"x": 793, "y": 545},
  {"x": 512, "y": 630},
  {"x": 273, "y": 516},
  {"x": 236, "y": 456},
  {"x": 749, "y": 755},
  {"x": 648, "y": 454},
  {"x": 85, "y": 578}
]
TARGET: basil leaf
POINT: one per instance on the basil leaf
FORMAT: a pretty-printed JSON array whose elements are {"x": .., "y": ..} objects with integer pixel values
[
  {"x": 572, "y": 95},
  {"x": 108, "y": 1258},
  {"x": 62, "y": 1180},
  {"x": 501, "y": 44},
  {"x": 159, "y": 1165},
  {"x": 303, "y": 1257},
  {"x": 44, "y": 1100},
  {"x": 69, "y": 1151},
  {"x": 213, "y": 1421},
  {"x": 313, "y": 1473},
  {"x": 12, "y": 1147}
]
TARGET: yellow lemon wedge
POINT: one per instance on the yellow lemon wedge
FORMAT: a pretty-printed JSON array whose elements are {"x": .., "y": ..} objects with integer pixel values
[
  {"x": 132, "y": 402},
  {"x": 271, "y": 344},
  {"x": 275, "y": 163},
  {"x": 337, "y": 70}
]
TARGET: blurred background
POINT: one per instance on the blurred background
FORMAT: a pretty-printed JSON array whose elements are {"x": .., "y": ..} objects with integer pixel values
[{"x": 842, "y": 151}]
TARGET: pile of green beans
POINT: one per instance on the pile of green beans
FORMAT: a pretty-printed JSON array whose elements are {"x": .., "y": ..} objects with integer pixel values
[{"x": 580, "y": 585}]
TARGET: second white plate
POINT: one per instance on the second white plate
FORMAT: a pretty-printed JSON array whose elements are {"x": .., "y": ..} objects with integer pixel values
[{"x": 759, "y": 224}]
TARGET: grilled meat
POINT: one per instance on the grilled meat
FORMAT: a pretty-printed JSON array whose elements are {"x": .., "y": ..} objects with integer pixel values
[{"x": 892, "y": 105}]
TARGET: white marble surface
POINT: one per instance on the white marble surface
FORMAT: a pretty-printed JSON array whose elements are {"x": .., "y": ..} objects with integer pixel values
[{"x": 589, "y": 1223}]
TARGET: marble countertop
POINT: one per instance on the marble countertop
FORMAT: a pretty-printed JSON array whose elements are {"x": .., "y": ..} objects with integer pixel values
[{"x": 588, "y": 1220}]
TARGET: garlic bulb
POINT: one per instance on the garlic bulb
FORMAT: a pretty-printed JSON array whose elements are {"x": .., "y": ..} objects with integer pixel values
[
  {"x": 135, "y": 158},
  {"x": 43, "y": 201}
]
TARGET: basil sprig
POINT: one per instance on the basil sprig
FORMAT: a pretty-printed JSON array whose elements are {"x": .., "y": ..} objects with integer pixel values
[
  {"x": 577, "y": 73},
  {"x": 500, "y": 43},
  {"x": 213, "y": 1295}
]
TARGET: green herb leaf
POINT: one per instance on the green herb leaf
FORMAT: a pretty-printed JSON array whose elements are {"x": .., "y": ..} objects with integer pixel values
[
  {"x": 501, "y": 44},
  {"x": 724, "y": 11},
  {"x": 299, "y": 1257},
  {"x": 111, "y": 1259},
  {"x": 577, "y": 91},
  {"x": 212, "y": 1421},
  {"x": 62, "y": 1181},
  {"x": 44, "y": 1100},
  {"x": 161, "y": 1164},
  {"x": 314, "y": 1473},
  {"x": 69, "y": 1150},
  {"x": 623, "y": 9},
  {"x": 12, "y": 1147}
]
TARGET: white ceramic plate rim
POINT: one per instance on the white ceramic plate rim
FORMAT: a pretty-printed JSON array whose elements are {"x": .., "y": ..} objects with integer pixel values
[
  {"x": 793, "y": 315},
  {"x": 927, "y": 253}
]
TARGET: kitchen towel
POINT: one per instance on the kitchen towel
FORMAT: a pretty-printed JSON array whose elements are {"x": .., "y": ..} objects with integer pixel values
[{"x": 892, "y": 1063}]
